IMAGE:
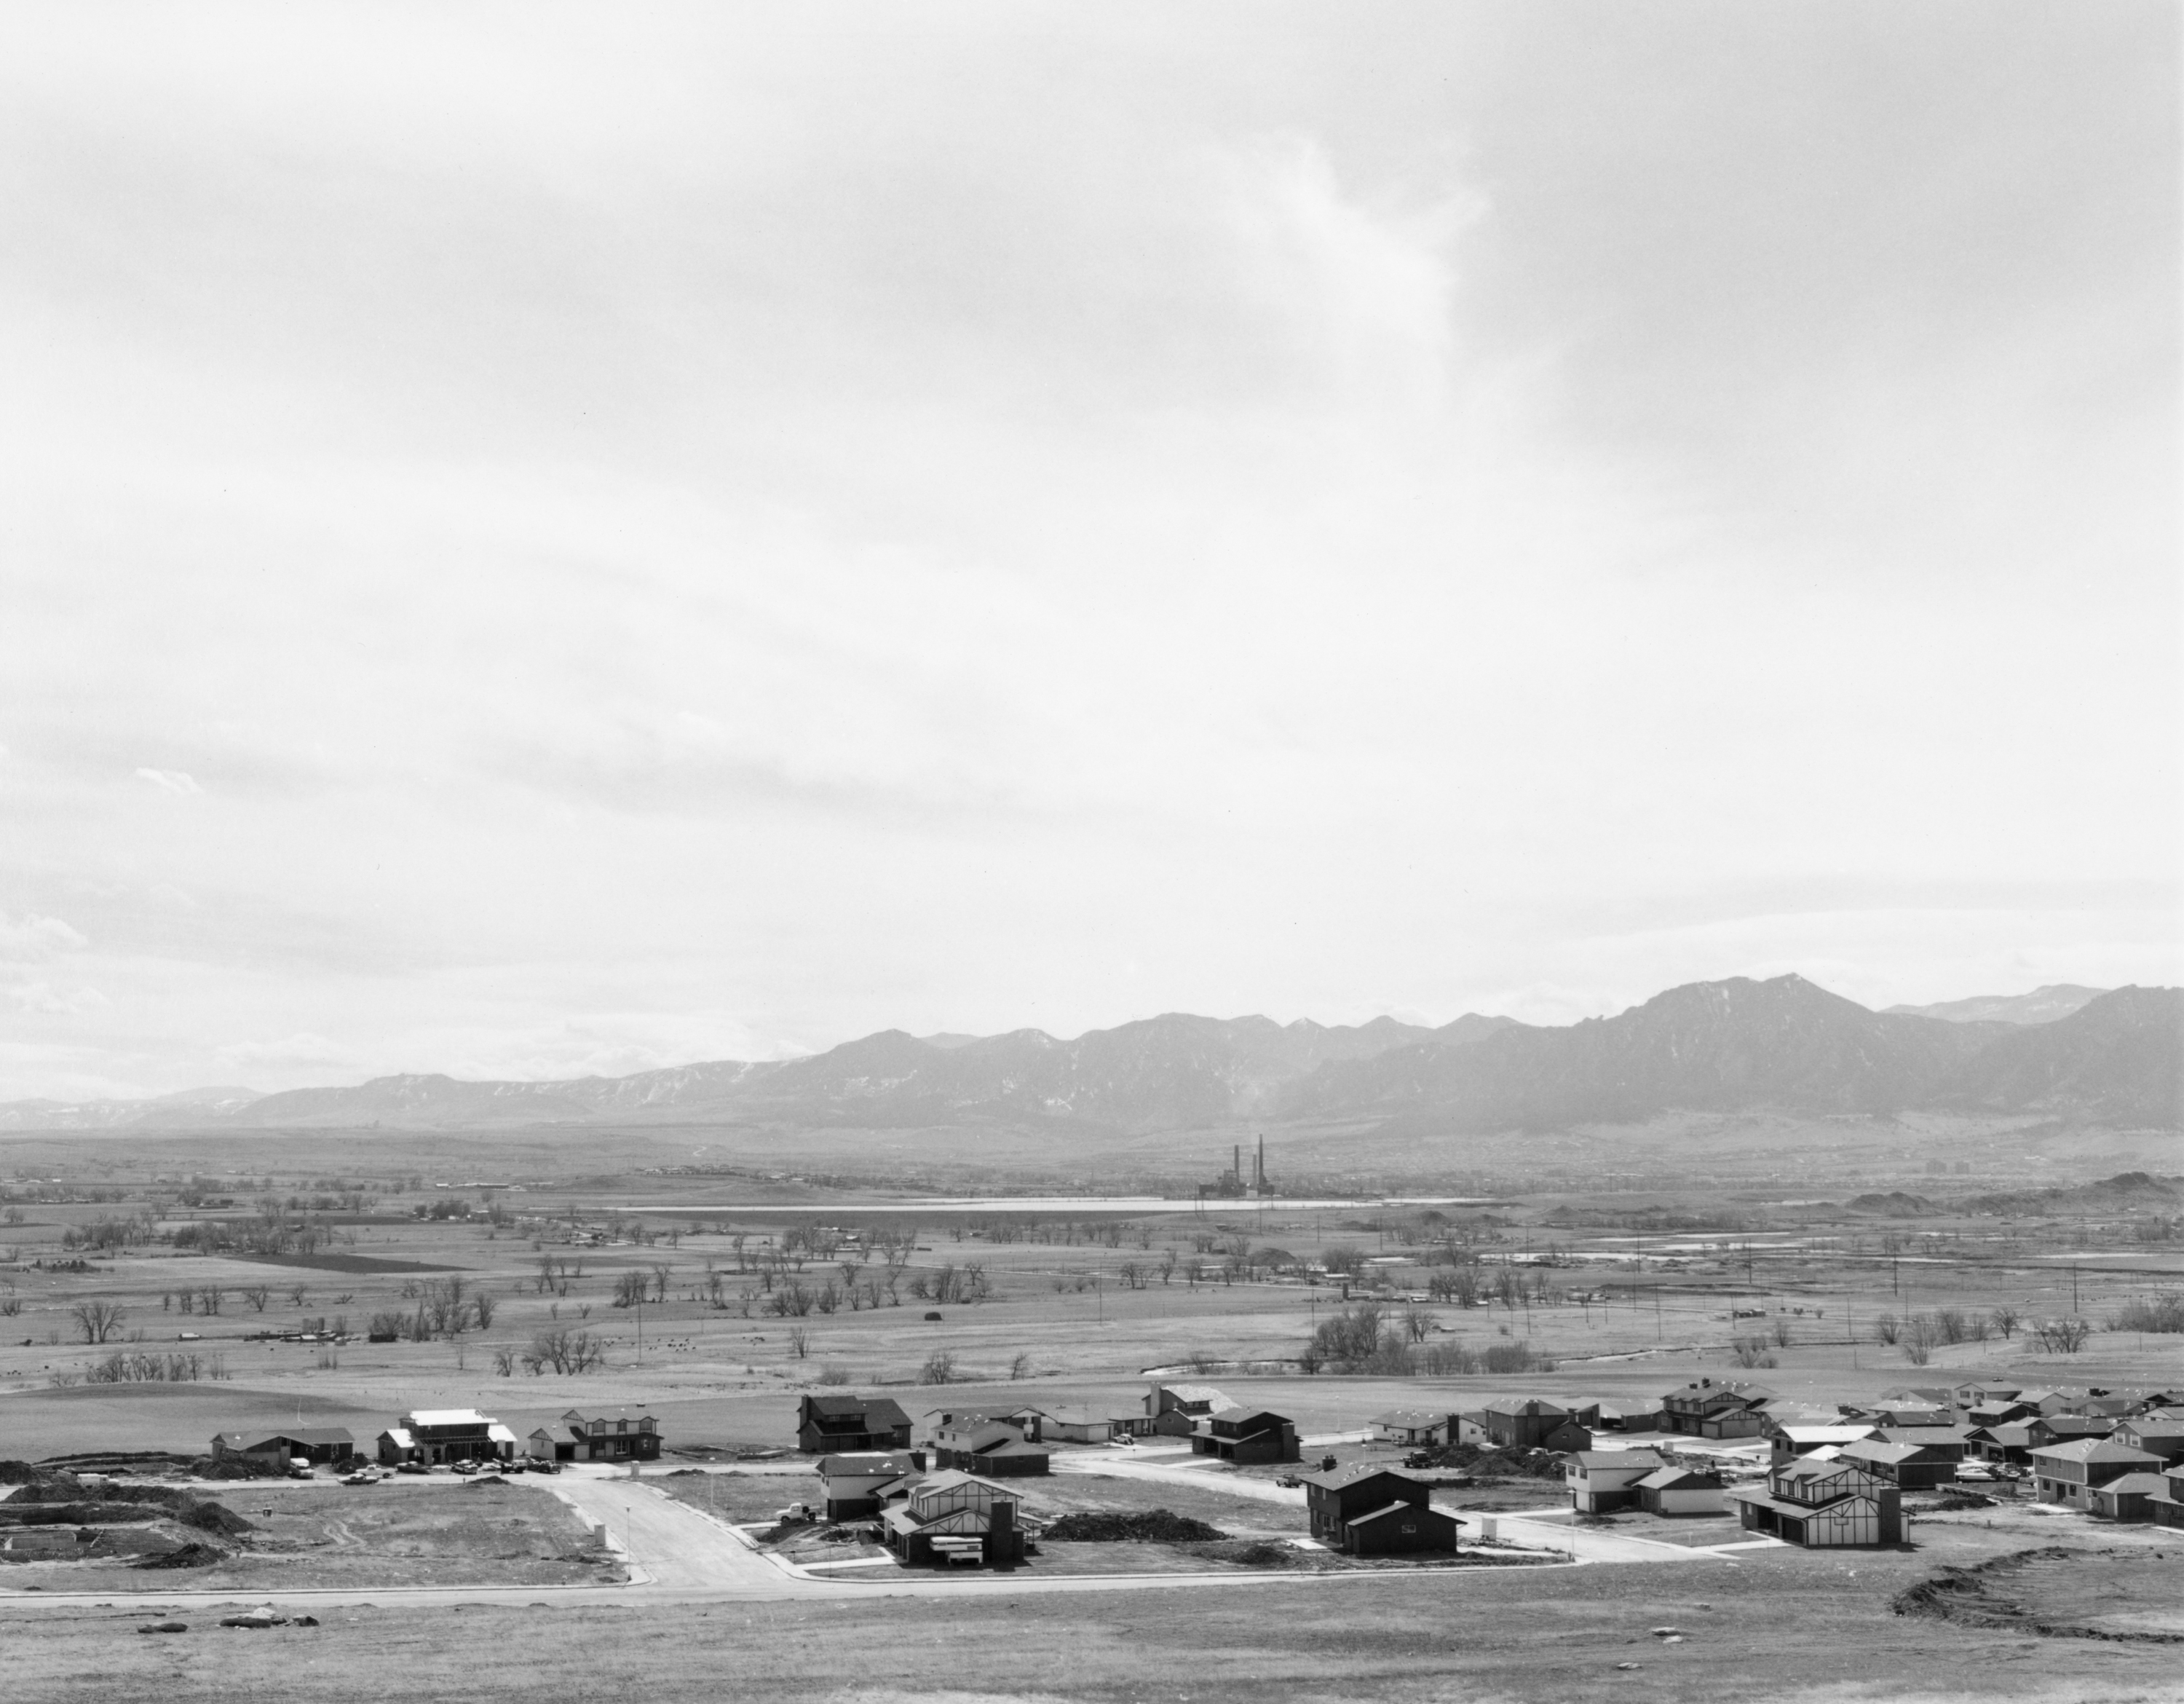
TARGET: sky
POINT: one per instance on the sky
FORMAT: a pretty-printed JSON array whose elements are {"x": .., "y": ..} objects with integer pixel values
[{"x": 544, "y": 540}]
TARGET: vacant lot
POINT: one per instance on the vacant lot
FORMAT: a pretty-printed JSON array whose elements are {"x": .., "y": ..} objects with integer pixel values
[
  {"x": 483, "y": 1532},
  {"x": 1804, "y": 1630}
]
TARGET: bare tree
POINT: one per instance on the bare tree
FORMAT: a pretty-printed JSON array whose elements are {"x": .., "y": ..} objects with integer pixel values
[
  {"x": 939, "y": 1368},
  {"x": 96, "y": 1320},
  {"x": 799, "y": 1340},
  {"x": 1020, "y": 1367},
  {"x": 484, "y": 1307},
  {"x": 2007, "y": 1320},
  {"x": 257, "y": 1295}
]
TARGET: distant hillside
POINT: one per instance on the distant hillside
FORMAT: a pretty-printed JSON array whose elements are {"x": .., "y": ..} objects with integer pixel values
[
  {"x": 1730, "y": 1047},
  {"x": 2119, "y": 1058},
  {"x": 1709, "y": 1046},
  {"x": 2042, "y": 1006}
]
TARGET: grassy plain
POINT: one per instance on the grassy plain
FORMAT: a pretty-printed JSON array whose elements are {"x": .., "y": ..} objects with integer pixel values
[{"x": 1628, "y": 1290}]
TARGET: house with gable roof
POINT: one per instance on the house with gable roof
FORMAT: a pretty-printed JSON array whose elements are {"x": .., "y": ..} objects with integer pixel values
[
  {"x": 1369, "y": 1510},
  {"x": 1823, "y": 1504}
]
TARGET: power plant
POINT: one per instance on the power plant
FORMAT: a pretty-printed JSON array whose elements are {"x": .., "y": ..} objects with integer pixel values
[{"x": 1232, "y": 1185}]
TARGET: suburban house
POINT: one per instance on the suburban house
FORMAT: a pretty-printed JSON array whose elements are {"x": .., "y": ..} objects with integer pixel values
[
  {"x": 1626, "y": 1417},
  {"x": 1366, "y": 1511},
  {"x": 955, "y": 1517},
  {"x": 2063, "y": 1429},
  {"x": 1602, "y": 1480},
  {"x": 1790, "y": 1442},
  {"x": 1247, "y": 1437},
  {"x": 1984, "y": 1414},
  {"x": 2128, "y": 1497},
  {"x": 855, "y": 1486},
  {"x": 320, "y": 1445},
  {"x": 1707, "y": 1409},
  {"x": 1468, "y": 1425},
  {"x": 1533, "y": 1423},
  {"x": 2011, "y": 1444},
  {"x": 1823, "y": 1506},
  {"x": 1977, "y": 1394},
  {"x": 1907, "y": 1466},
  {"x": 434, "y": 1436},
  {"x": 1680, "y": 1491},
  {"x": 2066, "y": 1472},
  {"x": 1064, "y": 1424},
  {"x": 1414, "y": 1428},
  {"x": 979, "y": 1444},
  {"x": 581, "y": 1437},
  {"x": 840, "y": 1425},
  {"x": 1906, "y": 1415},
  {"x": 2158, "y": 1435},
  {"x": 1174, "y": 1410},
  {"x": 2168, "y": 1503}
]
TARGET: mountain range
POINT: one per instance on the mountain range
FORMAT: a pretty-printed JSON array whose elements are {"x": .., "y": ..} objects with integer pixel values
[{"x": 2115, "y": 1059}]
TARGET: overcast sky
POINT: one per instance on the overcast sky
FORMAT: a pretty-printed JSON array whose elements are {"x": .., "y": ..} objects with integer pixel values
[{"x": 540, "y": 541}]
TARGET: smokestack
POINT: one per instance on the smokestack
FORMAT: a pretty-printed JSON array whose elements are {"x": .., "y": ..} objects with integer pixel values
[
  {"x": 1259, "y": 1164},
  {"x": 1236, "y": 1161}
]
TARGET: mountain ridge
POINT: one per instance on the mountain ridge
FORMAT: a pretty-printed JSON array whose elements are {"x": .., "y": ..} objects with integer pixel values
[{"x": 1728, "y": 1046}]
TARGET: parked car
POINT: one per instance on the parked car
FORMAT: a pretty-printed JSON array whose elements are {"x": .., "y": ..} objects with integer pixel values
[
  {"x": 1288, "y": 1482},
  {"x": 363, "y": 1476},
  {"x": 465, "y": 1468},
  {"x": 411, "y": 1467},
  {"x": 298, "y": 1468}
]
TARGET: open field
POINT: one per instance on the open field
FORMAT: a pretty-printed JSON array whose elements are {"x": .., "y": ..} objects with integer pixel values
[{"x": 1606, "y": 1292}]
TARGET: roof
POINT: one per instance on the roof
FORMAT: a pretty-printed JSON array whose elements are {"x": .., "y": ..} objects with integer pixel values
[
  {"x": 1070, "y": 1414},
  {"x": 1244, "y": 1416},
  {"x": 399, "y": 1437},
  {"x": 1355, "y": 1474},
  {"x": 893, "y": 1463},
  {"x": 2082, "y": 1450},
  {"x": 1827, "y": 1434},
  {"x": 1197, "y": 1393},
  {"x": 1682, "y": 1479},
  {"x": 1870, "y": 1450},
  {"x": 1414, "y": 1510},
  {"x": 1536, "y": 1406},
  {"x": 882, "y": 1408},
  {"x": 447, "y": 1416},
  {"x": 1639, "y": 1461},
  {"x": 500, "y": 1434},
  {"x": 1410, "y": 1417},
  {"x": 1809, "y": 1468},
  {"x": 2132, "y": 1485},
  {"x": 1746, "y": 1392},
  {"x": 954, "y": 1476},
  {"x": 247, "y": 1441},
  {"x": 576, "y": 1417}
]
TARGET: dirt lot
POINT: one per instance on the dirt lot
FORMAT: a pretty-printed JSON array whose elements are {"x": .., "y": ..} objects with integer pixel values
[
  {"x": 483, "y": 1532},
  {"x": 1788, "y": 1626}
]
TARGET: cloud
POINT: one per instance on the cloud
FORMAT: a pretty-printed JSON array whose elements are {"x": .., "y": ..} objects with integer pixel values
[
  {"x": 302, "y": 1049},
  {"x": 32, "y": 938},
  {"x": 170, "y": 781}
]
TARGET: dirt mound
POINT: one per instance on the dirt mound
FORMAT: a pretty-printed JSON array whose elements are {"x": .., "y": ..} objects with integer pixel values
[
  {"x": 192, "y": 1554},
  {"x": 1252, "y": 1553},
  {"x": 209, "y": 1517},
  {"x": 1487, "y": 1462},
  {"x": 235, "y": 1467},
  {"x": 1998, "y": 1593},
  {"x": 1154, "y": 1526}
]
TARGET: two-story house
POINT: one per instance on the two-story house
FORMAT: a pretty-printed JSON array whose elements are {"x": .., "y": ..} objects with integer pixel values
[
  {"x": 438, "y": 1436},
  {"x": 955, "y": 1517},
  {"x": 838, "y": 1424},
  {"x": 1247, "y": 1437},
  {"x": 1716, "y": 1408},
  {"x": 2068, "y": 1472},
  {"x": 854, "y": 1487},
  {"x": 1368, "y": 1511},
  {"x": 1601, "y": 1481},
  {"x": 1823, "y": 1504}
]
